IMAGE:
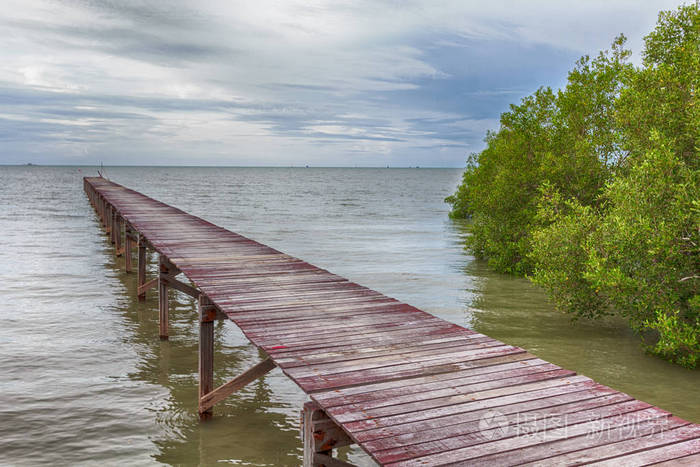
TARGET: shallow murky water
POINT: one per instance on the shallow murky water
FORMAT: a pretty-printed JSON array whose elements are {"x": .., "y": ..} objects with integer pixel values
[{"x": 84, "y": 377}]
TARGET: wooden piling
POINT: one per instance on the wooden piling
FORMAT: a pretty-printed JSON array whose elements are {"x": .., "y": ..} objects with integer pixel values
[
  {"x": 118, "y": 235},
  {"x": 141, "y": 279},
  {"x": 113, "y": 225},
  {"x": 127, "y": 249},
  {"x": 206, "y": 354},
  {"x": 102, "y": 211},
  {"x": 163, "y": 299},
  {"x": 320, "y": 436}
]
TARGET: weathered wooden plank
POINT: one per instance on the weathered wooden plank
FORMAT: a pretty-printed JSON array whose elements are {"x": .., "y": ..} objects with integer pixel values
[
  {"x": 423, "y": 401},
  {"x": 676, "y": 431},
  {"x": 391, "y": 360},
  {"x": 685, "y": 461},
  {"x": 527, "y": 401},
  {"x": 392, "y": 333},
  {"x": 448, "y": 387},
  {"x": 306, "y": 309},
  {"x": 562, "y": 403},
  {"x": 405, "y": 447},
  {"x": 401, "y": 370},
  {"x": 312, "y": 315},
  {"x": 656, "y": 455},
  {"x": 291, "y": 329},
  {"x": 466, "y": 448},
  {"x": 398, "y": 341},
  {"x": 472, "y": 375},
  {"x": 346, "y": 355},
  {"x": 364, "y": 327},
  {"x": 600, "y": 432}
]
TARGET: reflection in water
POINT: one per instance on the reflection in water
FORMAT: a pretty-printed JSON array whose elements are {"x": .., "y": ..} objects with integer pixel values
[{"x": 85, "y": 379}]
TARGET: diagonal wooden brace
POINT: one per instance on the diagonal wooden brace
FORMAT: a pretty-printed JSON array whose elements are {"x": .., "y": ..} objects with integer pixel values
[
  {"x": 152, "y": 284},
  {"x": 208, "y": 401},
  {"x": 181, "y": 286}
]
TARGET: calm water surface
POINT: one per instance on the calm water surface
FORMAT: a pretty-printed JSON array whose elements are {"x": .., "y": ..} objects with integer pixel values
[{"x": 84, "y": 377}]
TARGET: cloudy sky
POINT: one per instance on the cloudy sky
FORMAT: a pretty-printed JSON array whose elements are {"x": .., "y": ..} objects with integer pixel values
[{"x": 223, "y": 82}]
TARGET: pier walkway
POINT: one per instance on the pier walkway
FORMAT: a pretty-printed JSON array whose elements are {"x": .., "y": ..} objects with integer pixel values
[{"x": 407, "y": 387}]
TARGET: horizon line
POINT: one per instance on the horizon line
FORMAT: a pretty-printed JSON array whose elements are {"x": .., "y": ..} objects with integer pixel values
[{"x": 237, "y": 166}]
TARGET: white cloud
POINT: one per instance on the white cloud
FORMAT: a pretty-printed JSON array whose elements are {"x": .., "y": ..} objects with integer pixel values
[{"x": 231, "y": 82}]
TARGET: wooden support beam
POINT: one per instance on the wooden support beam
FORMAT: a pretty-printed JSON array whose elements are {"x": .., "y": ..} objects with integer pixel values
[
  {"x": 181, "y": 286},
  {"x": 166, "y": 264},
  {"x": 328, "y": 435},
  {"x": 320, "y": 436},
  {"x": 163, "y": 298},
  {"x": 208, "y": 401},
  {"x": 141, "y": 280},
  {"x": 206, "y": 354}
]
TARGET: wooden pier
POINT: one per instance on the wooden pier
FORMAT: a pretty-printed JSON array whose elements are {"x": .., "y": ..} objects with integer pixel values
[{"x": 407, "y": 387}]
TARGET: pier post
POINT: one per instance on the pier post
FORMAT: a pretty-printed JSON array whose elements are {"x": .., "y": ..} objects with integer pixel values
[
  {"x": 101, "y": 203},
  {"x": 127, "y": 248},
  {"x": 113, "y": 225},
  {"x": 141, "y": 280},
  {"x": 118, "y": 235},
  {"x": 105, "y": 212},
  {"x": 163, "y": 298},
  {"x": 320, "y": 435},
  {"x": 206, "y": 353}
]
